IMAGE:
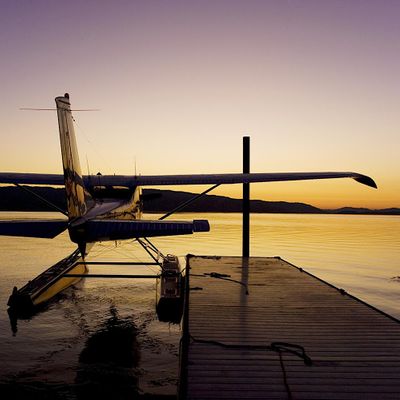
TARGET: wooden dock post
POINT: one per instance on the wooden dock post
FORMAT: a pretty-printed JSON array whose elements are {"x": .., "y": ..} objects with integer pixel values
[{"x": 246, "y": 199}]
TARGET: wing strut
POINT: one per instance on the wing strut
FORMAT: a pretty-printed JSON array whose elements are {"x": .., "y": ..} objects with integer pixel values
[
  {"x": 186, "y": 203},
  {"x": 42, "y": 199}
]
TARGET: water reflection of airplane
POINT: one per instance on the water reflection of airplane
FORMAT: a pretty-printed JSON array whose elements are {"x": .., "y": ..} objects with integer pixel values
[{"x": 109, "y": 207}]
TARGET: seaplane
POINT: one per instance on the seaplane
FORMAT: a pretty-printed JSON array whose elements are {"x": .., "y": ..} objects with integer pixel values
[{"x": 109, "y": 208}]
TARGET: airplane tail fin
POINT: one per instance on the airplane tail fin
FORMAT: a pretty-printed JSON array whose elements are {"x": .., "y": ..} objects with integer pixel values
[{"x": 78, "y": 198}]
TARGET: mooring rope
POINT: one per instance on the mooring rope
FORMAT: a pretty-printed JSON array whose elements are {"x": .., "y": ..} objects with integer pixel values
[
  {"x": 224, "y": 277},
  {"x": 277, "y": 347}
]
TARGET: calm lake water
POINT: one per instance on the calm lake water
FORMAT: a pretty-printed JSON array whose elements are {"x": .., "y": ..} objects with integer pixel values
[{"x": 102, "y": 337}]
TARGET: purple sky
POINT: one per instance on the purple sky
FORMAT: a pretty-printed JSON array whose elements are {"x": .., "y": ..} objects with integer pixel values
[{"x": 314, "y": 83}]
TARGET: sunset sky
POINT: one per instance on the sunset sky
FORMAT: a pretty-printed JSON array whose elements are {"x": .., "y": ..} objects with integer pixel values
[{"x": 178, "y": 83}]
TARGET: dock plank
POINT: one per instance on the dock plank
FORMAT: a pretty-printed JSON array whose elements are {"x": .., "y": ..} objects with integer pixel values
[{"x": 354, "y": 348}]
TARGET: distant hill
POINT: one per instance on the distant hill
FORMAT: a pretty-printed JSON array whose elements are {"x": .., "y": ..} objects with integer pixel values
[
  {"x": 169, "y": 199},
  {"x": 16, "y": 199},
  {"x": 353, "y": 210}
]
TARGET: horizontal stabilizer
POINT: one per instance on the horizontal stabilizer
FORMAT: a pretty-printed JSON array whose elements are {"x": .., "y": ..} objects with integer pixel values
[
  {"x": 199, "y": 179},
  {"x": 33, "y": 228},
  {"x": 121, "y": 229},
  {"x": 201, "y": 225}
]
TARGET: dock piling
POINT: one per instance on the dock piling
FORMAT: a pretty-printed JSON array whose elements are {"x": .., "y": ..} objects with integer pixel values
[{"x": 246, "y": 199}]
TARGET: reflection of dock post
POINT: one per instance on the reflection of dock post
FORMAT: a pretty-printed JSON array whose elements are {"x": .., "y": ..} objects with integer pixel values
[{"x": 246, "y": 199}]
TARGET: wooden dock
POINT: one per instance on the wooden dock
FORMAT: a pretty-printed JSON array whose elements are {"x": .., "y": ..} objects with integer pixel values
[{"x": 292, "y": 336}]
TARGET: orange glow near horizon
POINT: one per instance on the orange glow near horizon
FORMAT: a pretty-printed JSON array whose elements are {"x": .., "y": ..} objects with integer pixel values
[
  {"x": 328, "y": 194},
  {"x": 179, "y": 83}
]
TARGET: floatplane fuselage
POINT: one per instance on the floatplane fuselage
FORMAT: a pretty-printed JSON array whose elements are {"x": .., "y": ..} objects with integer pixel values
[{"x": 109, "y": 207}]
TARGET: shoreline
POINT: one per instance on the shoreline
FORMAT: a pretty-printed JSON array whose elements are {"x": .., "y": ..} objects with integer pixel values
[{"x": 14, "y": 199}]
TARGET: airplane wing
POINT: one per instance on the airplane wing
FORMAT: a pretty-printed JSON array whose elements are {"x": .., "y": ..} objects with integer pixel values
[
  {"x": 199, "y": 179},
  {"x": 31, "y": 178},
  {"x": 212, "y": 179}
]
